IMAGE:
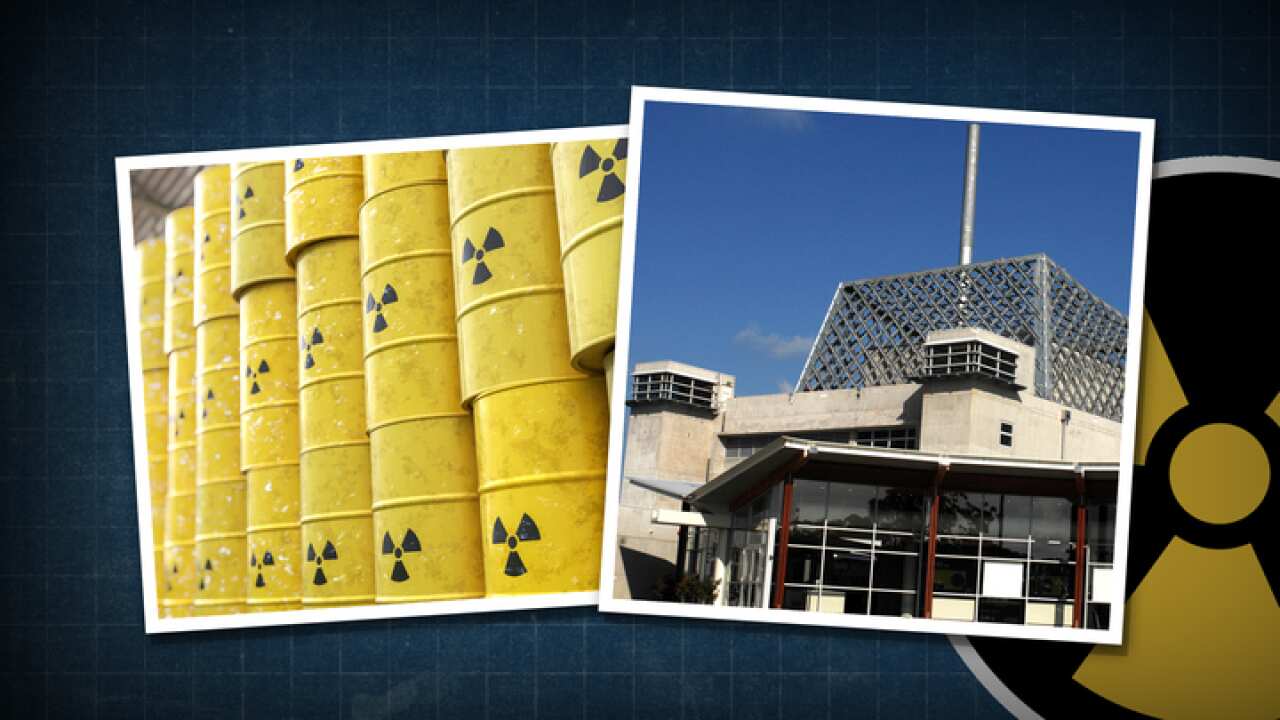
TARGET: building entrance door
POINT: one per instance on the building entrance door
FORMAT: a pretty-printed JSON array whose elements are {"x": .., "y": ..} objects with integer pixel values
[{"x": 754, "y": 565}]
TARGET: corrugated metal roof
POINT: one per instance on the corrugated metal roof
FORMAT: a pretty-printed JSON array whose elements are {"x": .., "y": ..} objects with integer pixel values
[{"x": 157, "y": 192}]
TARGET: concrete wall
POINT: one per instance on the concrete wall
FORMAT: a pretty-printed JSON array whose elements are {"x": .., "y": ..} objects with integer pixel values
[
  {"x": 964, "y": 417},
  {"x": 667, "y": 442},
  {"x": 873, "y": 407}
]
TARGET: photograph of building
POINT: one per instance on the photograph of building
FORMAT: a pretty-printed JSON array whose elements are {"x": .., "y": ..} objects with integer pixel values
[{"x": 951, "y": 448}]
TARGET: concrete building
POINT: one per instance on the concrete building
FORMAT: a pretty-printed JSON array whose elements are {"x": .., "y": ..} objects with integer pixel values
[{"x": 953, "y": 457}]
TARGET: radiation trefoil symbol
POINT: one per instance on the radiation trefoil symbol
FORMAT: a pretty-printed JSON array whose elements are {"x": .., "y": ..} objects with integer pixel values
[
  {"x": 208, "y": 398},
  {"x": 492, "y": 241},
  {"x": 251, "y": 374},
  {"x": 208, "y": 567},
  {"x": 268, "y": 560},
  {"x": 408, "y": 544},
  {"x": 372, "y": 305},
  {"x": 248, "y": 193},
  {"x": 177, "y": 427},
  {"x": 328, "y": 553},
  {"x": 316, "y": 339},
  {"x": 525, "y": 532},
  {"x": 611, "y": 185}
]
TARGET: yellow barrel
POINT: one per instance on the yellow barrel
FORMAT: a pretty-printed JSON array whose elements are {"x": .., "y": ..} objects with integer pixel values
[
  {"x": 322, "y": 201},
  {"x": 178, "y": 586},
  {"x": 155, "y": 378},
  {"x": 590, "y": 191},
  {"x": 220, "y": 487},
  {"x": 264, "y": 284},
  {"x": 541, "y": 426},
  {"x": 426, "y": 515}
]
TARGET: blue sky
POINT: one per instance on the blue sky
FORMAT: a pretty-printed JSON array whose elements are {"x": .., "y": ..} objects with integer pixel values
[{"x": 750, "y": 218}]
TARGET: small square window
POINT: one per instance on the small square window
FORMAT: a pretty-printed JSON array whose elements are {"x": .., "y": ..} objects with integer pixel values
[{"x": 1006, "y": 434}]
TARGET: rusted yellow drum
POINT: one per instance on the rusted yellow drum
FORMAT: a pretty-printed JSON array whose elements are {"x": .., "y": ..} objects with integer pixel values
[
  {"x": 590, "y": 192},
  {"x": 263, "y": 281},
  {"x": 178, "y": 583},
  {"x": 220, "y": 488},
  {"x": 541, "y": 425},
  {"x": 322, "y": 200},
  {"x": 425, "y": 502},
  {"x": 155, "y": 377}
]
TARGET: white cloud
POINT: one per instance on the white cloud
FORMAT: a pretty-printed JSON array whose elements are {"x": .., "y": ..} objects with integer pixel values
[{"x": 772, "y": 344}]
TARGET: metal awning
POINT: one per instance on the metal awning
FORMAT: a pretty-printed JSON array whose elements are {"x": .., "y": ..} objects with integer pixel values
[
  {"x": 767, "y": 461},
  {"x": 677, "y": 489}
]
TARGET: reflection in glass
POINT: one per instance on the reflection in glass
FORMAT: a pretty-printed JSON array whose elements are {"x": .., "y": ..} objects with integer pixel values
[
  {"x": 896, "y": 572},
  {"x": 893, "y": 604},
  {"x": 1001, "y": 611},
  {"x": 848, "y": 568},
  {"x": 852, "y": 505},
  {"x": 1053, "y": 580},
  {"x": 808, "y": 502},
  {"x": 804, "y": 565},
  {"x": 900, "y": 509},
  {"x": 954, "y": 575}
]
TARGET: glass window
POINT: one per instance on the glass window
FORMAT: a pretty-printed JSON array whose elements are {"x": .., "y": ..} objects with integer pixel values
[
  {"x": 1001, "y": 611},
  {"x": 794, "y": 598},
  {"x": 842, "y": 538},
  {"x": 900, "y": 509},
  {"x": 954, "y": 575},
  {"x": 1100, "y": 532},
  {"x": 1052, "y": 580},
  {"x": 808, "y": 502},
  {"x": 1099, "y": 616},
  {"x": 893, "y": 604},
  {"x": 896, "y": 572},
  {"x": 962, "y": 513},
  {"x": 1013, "y": 516},
  {"x": 1052, "y": 526},
  {"x": 805, "y": 535},
  {"x": 1006, "y": 434},
  {"x": 804, "y": 566},
  {"x": 855, "y": 601},
  {"x": 852, "y": 505},
  {"x": 847, "y": 568}
]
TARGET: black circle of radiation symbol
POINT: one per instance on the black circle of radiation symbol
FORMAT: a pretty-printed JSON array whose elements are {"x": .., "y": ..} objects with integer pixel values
[{"x": 1205, "y": 301}]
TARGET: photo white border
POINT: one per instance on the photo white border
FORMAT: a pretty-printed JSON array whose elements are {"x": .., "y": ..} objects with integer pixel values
[
  {"x": 128, "y": 260},
  {"x": 1145, "y": 128},
  {"x": 1164, "y": 169}
]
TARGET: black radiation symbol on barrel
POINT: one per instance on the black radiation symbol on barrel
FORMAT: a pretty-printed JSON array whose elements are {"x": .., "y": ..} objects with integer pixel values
[
  {"x": 251, "y": 374},
  {"x": 492, "y": 241},
  {"x": 526, "y": 531},
  {"x": 177, "y": 430},
  {"x": 306, "y": 343},
  {"x": 407, "y": 545},
  {"x": 248, "y": 193},
  {"x": 268, "y": 560},
  {"x": 328, "y": 553},
  {"x": 610, "y": 185},
  {"x": 371, "y": 304},
  {"x": 208, "y": 398},
  {"x": 208, "y": 567}
]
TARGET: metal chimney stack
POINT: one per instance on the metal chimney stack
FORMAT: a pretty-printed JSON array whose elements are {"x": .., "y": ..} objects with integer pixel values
[{"x": 970, "y": 195}]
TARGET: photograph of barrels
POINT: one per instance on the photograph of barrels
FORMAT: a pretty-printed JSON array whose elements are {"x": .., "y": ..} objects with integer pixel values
[
  {"x": 372, "y": 384},
  {"x": 908, "y": 404}
]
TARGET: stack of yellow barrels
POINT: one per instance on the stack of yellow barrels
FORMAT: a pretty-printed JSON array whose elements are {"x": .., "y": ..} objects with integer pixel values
[
  {"x": 322, "y": 201},
  {"x": 220, "y": 486},
  {"x": 155, "y": 380},
  {"x": 590, "y": 192},
  {"x": 179, "y": 346},
  {"x": 541, "y": 426},
  {"x": 263, "y": 283},
  {"x": 425, "y": 505}
]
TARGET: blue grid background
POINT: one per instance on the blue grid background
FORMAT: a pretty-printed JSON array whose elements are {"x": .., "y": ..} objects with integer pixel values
[{"x": 87, "y": 82}]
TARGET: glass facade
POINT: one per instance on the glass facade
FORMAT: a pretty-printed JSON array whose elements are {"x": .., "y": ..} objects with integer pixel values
[
  {"x": 1001, "y": 557},
  {"x": 854, "y": 549},
  {"x": 1005, "y": 558}
]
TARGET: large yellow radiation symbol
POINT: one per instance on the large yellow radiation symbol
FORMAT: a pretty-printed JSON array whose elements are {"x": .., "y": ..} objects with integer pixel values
[
  {"x": 1202, "y": 631},
  {"x": 1202, "y": 616}
]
